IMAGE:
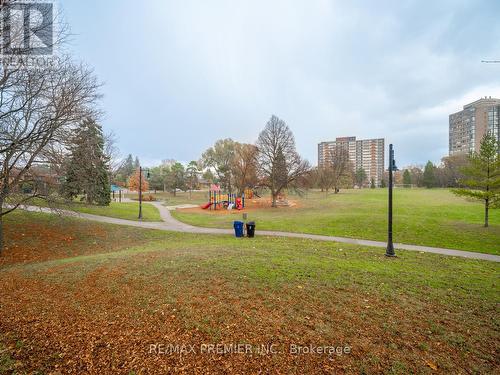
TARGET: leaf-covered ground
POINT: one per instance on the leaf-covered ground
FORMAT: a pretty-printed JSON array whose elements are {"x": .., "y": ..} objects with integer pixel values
[{"x": 124, "y": 300}]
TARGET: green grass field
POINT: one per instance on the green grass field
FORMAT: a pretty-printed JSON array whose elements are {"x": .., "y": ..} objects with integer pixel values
[
  {"x": 124, "y": 210},
  {"x": 422, "y": 217},
  {"x": 105, "y": 293},
  {"x": 119, "y": 210},
  {"x": 196, "y": 197}
]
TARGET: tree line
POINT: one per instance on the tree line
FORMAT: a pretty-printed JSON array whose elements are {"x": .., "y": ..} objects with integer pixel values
[
  {"x": 272, "y": 162},
  {"x": 448, "y": 174}
]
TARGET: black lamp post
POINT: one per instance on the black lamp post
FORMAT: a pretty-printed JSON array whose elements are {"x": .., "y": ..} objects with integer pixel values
[
  {"x": 392, "y": 167},
  {"x": 140, "y": 189}
]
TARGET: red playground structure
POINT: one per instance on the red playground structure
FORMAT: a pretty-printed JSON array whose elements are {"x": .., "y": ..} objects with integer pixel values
[{"x": 219, "y": 201}]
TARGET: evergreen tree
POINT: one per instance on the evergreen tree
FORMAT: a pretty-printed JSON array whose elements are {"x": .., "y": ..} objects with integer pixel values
[
  {"x": 128, "y": 166},
  {"x": 429, "y": 175},
  {"x": 157, "y": 177},
  {"x": 360, "y": 177},
  {"x": 176, "y": 178},
  {"x": 406, "y": 177},
  {"x": 87, "y": 170},
  {"x": 192, "y": 172},
  {"x": 482, "y": 175},
  {"x": 383, "y": 183},
  {"x": 124, "y": 171},
  {"x": 372, "y": 183}
]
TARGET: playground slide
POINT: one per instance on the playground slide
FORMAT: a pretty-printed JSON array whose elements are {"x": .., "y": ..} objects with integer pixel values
[{"x": 205, "y": 206}]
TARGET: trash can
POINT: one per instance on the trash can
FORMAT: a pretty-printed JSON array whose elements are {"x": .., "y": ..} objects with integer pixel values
[
  {"x": 238, "y": 228},
  {"x": 251, "y": 229}
]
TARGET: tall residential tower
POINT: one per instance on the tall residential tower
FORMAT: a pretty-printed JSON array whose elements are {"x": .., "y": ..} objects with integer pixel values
[
  {"x": 468, "y": 127},
  {"x": 367, "y": 154}
]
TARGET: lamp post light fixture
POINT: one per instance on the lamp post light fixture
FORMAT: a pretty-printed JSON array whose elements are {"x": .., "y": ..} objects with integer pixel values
[
  {"x": 140, "y": 189},
  {"x": 392, "y": 168}
]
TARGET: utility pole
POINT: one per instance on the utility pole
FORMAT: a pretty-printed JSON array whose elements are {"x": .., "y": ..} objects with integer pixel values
[{"x": 392, "y": 167}]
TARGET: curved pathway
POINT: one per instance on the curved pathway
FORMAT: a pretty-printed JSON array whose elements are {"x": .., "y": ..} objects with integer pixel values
[{"x": 171, "y": 224}]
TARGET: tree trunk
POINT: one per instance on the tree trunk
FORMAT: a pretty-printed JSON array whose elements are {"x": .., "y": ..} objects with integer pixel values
[
  {"x": 1, "y": 226},
  {"x": 274, "y": 195},
  {"x": 1, "y": 234},
  {"x": 486, "y": 208}
]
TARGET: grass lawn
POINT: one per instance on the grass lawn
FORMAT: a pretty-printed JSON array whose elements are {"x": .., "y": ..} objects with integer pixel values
[
  {"x": 124, "y": 210},
  {"x": 422, "y": 217},
  {"x": 197, "y": 197},
  {"x": 119, "y": 210},
  {"x": 103, "y": 301}
]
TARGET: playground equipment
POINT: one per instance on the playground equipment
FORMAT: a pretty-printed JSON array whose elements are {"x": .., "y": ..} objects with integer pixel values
[
  {"x": 217, "y": 200},
  {"x": 248, "y": 193}
]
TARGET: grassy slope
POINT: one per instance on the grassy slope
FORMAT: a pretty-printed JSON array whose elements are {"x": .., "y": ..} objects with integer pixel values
[
  {"x": 404, "y": 315},
  {"x": 422, "y": 217},
  {"x": 35, "y": 237}
]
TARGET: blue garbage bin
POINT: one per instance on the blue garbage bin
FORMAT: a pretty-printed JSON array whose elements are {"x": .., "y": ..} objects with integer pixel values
[{"x": 238, "y": 228}]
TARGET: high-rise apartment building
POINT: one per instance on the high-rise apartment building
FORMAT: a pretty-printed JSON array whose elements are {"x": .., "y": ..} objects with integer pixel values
[
  {"x": 367, "y": 154},
  {"x": 468, "y": 127}
]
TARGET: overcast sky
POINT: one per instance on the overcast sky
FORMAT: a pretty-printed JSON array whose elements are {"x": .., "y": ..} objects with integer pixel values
[{"x": 181, "y": 74}]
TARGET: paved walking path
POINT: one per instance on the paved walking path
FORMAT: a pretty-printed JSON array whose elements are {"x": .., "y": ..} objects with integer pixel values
[{"x": 171, "y": 224}]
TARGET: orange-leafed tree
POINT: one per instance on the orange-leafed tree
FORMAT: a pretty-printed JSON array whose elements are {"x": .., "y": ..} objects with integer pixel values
[{"x": 133, "y": 182}]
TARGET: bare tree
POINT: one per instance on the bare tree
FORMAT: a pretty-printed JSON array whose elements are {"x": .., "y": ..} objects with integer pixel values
[
  {"x": 450, "y": 172},
  {"x": 245, "y": 166},
  {"x": 38, "y": 110},
  {"x": 280, "y": 166},
  {"x": 324, "y": 178},
  {"x": 339, "y": 166},
  {"x": 39, "y": 107},
  {"x": 111, "y": 150}
]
